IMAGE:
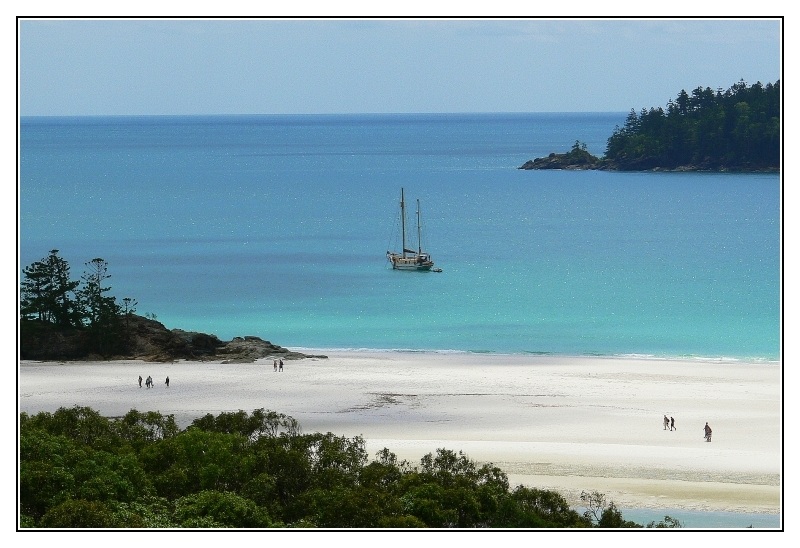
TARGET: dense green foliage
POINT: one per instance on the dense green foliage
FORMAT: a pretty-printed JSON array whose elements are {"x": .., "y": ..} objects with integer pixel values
[
  {"x": 49, "y": 297},
  {"x": 240, "y": 470},
  {"x": 737, "y": 129}
]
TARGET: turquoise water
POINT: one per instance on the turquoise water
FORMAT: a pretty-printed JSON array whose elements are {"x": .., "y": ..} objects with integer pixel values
[
  {"x": 704, "y": 520},
  {"x": 277, "y": 226}
]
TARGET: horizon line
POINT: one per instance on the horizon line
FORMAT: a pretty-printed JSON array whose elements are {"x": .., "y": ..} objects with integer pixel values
[{"x": 415, "y": 113}]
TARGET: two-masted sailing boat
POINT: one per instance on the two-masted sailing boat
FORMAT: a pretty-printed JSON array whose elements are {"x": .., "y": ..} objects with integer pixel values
[{"x": 409, "y": 259}]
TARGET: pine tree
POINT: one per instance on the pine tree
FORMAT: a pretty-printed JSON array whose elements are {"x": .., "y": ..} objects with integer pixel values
[
  {"x": 101, "y": 310},
  {"x": 48, "y": 294}
]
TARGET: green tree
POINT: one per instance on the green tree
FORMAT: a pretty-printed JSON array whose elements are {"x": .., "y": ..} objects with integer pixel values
[
  {"x": 147, "y": 512},
  {"x": 384, "y": 472},
  {"x": 602, "y": 513},
  {"x": 595, "y": 503},
  {"x": 335, "y": 460},
  {"x": 611, "y": 518},
  {"x": 97, "y": 305},
  {"x": 258, "y": 424},
  {"x": 141, "y": 429},
  {"x": 195, "y": 460},
  {"x": 45, "y": 479},
  {"x": 61, "y": 459},
  {"x": 542, "y": 508},
  {"x": 427, "y": 503},
  {"x": 100, "y": 309},
  {"x": 217, "y": 509},
  {"x": 79, "y": 514},
  {"x": 48, "y": 294},
  {"x": 287, "y": 460},
  {"x": 127, "y": 310},
  {"x": 35, "y": 292},
  {"x": 80, "y": 424},
  {"x": 666, "y": 523},
  {"x": 454, "y": 492},
  {"x": 448, "y": 466},
  {"x": 262, "y": 489},
  {"x": 352, "y": 506}
]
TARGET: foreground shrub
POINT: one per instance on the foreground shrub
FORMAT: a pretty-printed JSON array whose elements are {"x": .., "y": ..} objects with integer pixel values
[
  {"x": 79, "y": 514},
  {"x": 218, "y": 509},
  {"x": 80, "y": 470}
]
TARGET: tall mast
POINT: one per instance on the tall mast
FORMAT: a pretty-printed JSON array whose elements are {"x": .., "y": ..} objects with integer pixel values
[
  {"x": 403, "y": 219},
  {"x": 419, "y": 231}
]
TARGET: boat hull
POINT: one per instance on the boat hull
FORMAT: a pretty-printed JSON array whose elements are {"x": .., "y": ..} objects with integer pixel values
[
  {"x": 424, "y": 267},
  {"x": 409, "y": 263}
]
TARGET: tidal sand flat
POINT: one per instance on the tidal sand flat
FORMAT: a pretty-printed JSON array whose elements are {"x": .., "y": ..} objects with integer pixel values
[{"x": 570, "y": 424}]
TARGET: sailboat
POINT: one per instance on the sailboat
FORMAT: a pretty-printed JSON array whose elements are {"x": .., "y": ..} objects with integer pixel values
[{"x": 409, "y": 259}]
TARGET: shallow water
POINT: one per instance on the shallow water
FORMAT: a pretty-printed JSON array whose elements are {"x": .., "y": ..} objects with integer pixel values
[{"x": 704, "y": 520}]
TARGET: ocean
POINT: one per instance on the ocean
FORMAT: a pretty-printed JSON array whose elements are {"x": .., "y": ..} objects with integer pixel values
[{"x": 277, "y": 227}]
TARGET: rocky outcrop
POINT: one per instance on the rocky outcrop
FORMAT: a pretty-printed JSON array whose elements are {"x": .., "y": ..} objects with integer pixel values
[
  {"x": 582, "y": 160},
  {"x": 148, "y": 340},
  {"x": 249, "y": 349},
  {"x": 575, "y": 159},
  {"x": 39, "y": 341}
]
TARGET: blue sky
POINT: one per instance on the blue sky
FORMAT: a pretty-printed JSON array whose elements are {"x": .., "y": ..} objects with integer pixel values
[{"x": 257, "y": 66}]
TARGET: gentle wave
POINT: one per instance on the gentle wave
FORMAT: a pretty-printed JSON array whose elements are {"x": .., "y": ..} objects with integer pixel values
[{"x": 628, "y": 356}]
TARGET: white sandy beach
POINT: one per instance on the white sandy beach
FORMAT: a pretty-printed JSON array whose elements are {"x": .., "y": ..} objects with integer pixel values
[{"x": 562, "y": 423}]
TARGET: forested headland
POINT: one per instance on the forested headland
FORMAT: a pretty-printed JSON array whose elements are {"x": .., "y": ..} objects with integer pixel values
[
  {"x": 78, "y": 469},
  {"x": 738, "y": 129}
]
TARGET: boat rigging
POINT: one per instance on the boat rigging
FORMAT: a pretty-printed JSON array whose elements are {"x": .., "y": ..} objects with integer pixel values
[{"x": 410, "y": 259}]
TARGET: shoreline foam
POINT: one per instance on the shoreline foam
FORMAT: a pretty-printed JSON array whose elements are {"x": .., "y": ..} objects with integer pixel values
[{"x": 544, "y": 354}]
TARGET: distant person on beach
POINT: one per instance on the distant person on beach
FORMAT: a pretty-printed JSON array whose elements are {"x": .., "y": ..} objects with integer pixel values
[
  {"x": 707, "y": 431},
  {"x": 280, "y": 365},
  {"x": 140, "y": 381},
  {"x": 275, "y": 365},
  {"x": 671, "y": 424},
  {"x": 666, "y": 422},
  {"x": 167, "y": 382},
  {"x": 149, "y": 381}
]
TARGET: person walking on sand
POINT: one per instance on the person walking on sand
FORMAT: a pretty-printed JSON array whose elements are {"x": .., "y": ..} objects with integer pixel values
[
  {"x": 275, "y": 365},
  {"x": 140, "y": 381},
  {"x": 666, "y": 422},
  {"x": 167, "y": 382},
  {"x": 280, "y": 365},
  {"x": 707, "y": 432},
  {"x": 672, "y": 424}
]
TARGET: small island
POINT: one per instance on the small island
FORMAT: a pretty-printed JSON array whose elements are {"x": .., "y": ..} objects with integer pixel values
[
  {"x": 577, "y": 158},
  {"x": 734, "y": 130}
]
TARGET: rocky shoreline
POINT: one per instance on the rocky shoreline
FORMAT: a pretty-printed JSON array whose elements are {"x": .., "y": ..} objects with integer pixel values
[
  {"x": 582, "y": 160},
  {"x": 148, "y": 340}
]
